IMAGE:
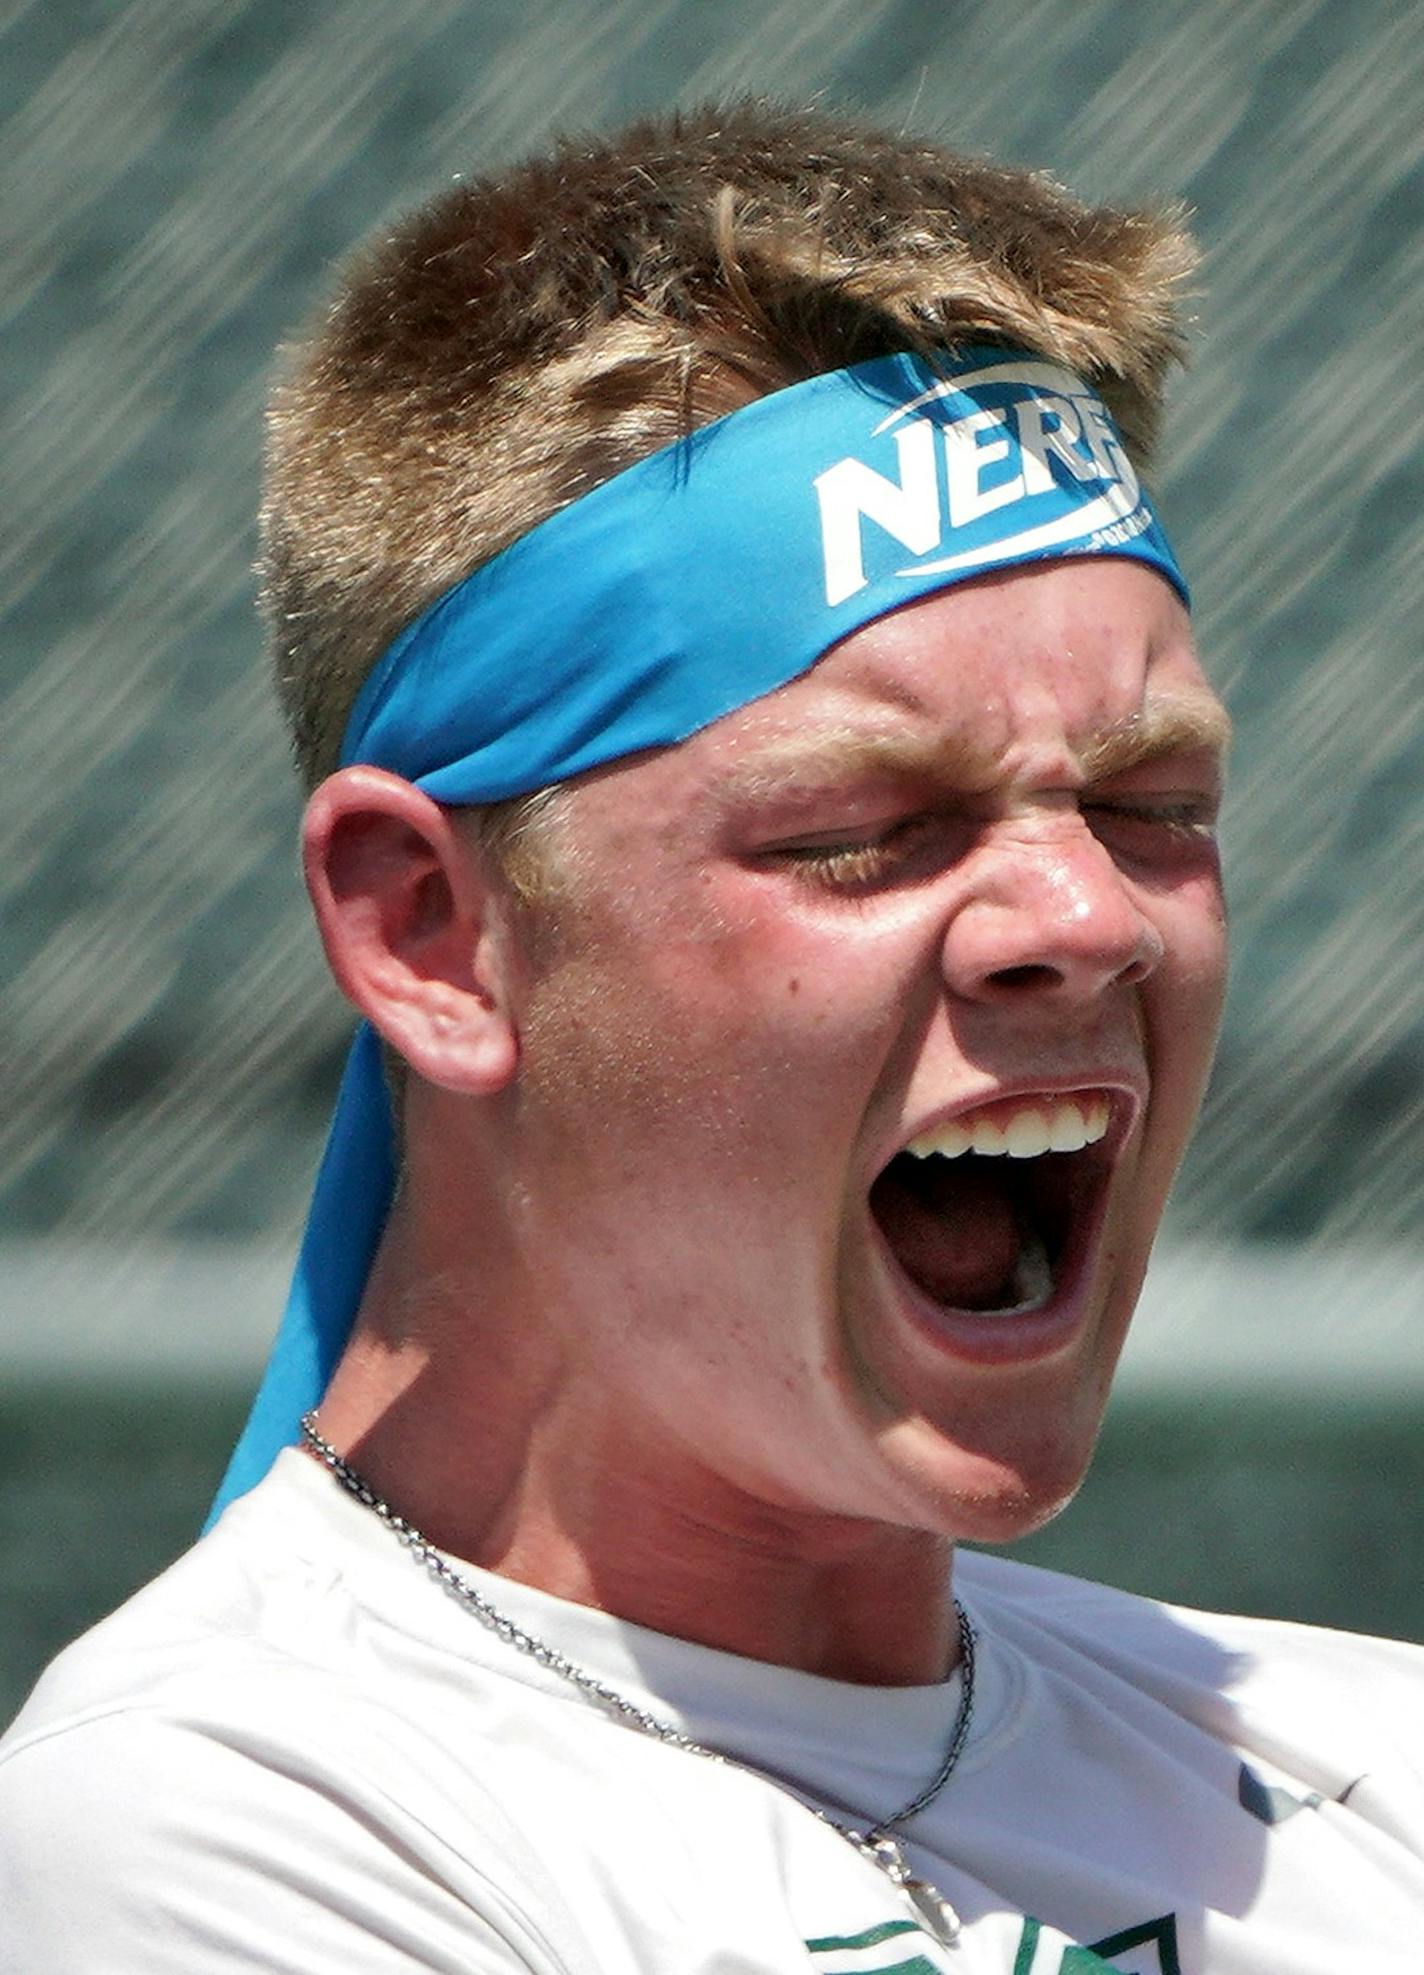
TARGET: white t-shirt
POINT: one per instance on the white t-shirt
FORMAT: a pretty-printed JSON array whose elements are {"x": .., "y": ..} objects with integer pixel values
[{"x": 294, "y": 1753}]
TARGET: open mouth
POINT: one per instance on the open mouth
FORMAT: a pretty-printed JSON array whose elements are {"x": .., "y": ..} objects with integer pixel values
[{"x": 991, "y": 1213}]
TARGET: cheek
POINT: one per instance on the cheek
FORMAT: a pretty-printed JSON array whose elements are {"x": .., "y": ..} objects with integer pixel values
[
  {"x": 1190, "y": 916},
  {"x": 1182, "y": 1006},
  {"x": 822, "y": 1006},
  {"x": 1197, "y": 937},
  {"x": 747, "y": 1027}
]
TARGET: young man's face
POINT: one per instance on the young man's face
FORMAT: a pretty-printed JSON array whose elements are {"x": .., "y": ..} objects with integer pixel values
[{"x": 960, "y": 875}]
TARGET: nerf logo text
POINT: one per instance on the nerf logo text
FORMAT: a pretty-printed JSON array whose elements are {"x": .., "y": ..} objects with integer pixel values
[{"x": 1048, "y": 463}]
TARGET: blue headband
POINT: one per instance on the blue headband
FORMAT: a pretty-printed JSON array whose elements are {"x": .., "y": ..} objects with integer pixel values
[{"x": 699, "y": 579}]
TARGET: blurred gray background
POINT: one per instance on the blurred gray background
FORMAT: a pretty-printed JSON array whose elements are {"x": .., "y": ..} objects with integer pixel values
[{"x": 176, "y": 177}]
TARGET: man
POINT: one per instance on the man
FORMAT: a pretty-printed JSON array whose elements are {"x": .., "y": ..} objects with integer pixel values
[{"x": 762, "y": 806}]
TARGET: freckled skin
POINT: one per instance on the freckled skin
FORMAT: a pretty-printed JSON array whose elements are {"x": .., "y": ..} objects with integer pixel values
[{"x": 742, "y": 1437}]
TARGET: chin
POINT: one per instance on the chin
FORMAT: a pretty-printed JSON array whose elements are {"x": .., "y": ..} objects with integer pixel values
[
  {"x": 998, "y": 1487},
  {"x": 1009, "y": 1515}
]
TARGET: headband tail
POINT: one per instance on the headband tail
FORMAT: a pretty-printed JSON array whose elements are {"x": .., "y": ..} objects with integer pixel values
[{"x": 353, "y": 1194}]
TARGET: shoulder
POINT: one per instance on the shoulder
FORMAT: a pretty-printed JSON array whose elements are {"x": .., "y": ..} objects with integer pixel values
[
  {"x": 137, "y": 1842},
  {"x": 1169, "y": 1641},
  {"x": 1342, "y": 1712},
  {"x": 206, "y": 1781},
  {"x": 231, "y": 1614}
]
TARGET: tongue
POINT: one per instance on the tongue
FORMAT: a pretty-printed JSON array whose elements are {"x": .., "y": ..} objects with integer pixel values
[{"x": 952, "y": 1229}]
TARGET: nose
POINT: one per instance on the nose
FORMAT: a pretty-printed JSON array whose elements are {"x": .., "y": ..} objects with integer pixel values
[{"x": 1050, "y": 914}]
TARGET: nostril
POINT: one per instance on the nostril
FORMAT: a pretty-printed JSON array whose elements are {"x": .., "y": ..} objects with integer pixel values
[{"x": 1033, "y": 976}]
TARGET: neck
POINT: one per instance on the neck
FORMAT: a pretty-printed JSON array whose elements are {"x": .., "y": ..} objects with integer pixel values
[
  {"x": 847, "y": 1602},
  {"x": 843, "y": 1599},
  {"x": 468, "y": 1416}
]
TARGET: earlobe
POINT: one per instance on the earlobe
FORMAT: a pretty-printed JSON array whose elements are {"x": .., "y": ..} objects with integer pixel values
[{"x": 411, "y": 924}]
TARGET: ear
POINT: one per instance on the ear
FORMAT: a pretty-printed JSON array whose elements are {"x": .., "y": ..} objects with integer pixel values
[{"x": 413, "y": 927}]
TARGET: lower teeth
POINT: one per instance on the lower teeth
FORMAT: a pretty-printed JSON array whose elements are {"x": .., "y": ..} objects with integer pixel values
[{"x": 1033, "y": 1278}]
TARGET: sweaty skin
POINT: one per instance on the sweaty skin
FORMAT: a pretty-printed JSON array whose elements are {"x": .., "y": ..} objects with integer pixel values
[{"x": 635, "y": 1335}]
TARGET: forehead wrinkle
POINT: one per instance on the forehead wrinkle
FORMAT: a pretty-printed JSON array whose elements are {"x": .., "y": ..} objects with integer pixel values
[{"x": 1168, "y": 724}]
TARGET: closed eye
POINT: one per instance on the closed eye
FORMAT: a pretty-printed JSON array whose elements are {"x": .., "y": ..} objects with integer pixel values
[
  {"x": 919, "y": 846},
  {"x": 861, "y": 859},
  {"x": 1191, "y": 815}
]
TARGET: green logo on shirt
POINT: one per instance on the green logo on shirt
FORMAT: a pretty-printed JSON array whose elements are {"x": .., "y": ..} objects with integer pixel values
[{"x": 900, "y": 1947}]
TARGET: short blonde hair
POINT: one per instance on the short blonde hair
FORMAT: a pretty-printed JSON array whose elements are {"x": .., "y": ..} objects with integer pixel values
[{"x": 523, "y": 337}]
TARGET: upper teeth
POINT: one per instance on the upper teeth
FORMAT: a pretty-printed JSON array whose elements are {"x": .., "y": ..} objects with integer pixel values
[{"x": 1048, "y": 1124}]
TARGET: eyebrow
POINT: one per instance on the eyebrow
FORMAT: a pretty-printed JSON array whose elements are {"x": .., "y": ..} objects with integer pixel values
[
  {"x": 830, "y": 756},
  {"x": 1173, "y": 724}
]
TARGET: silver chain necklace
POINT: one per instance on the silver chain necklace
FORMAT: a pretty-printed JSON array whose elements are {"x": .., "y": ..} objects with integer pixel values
[{"x": 925, "y": 1901}]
